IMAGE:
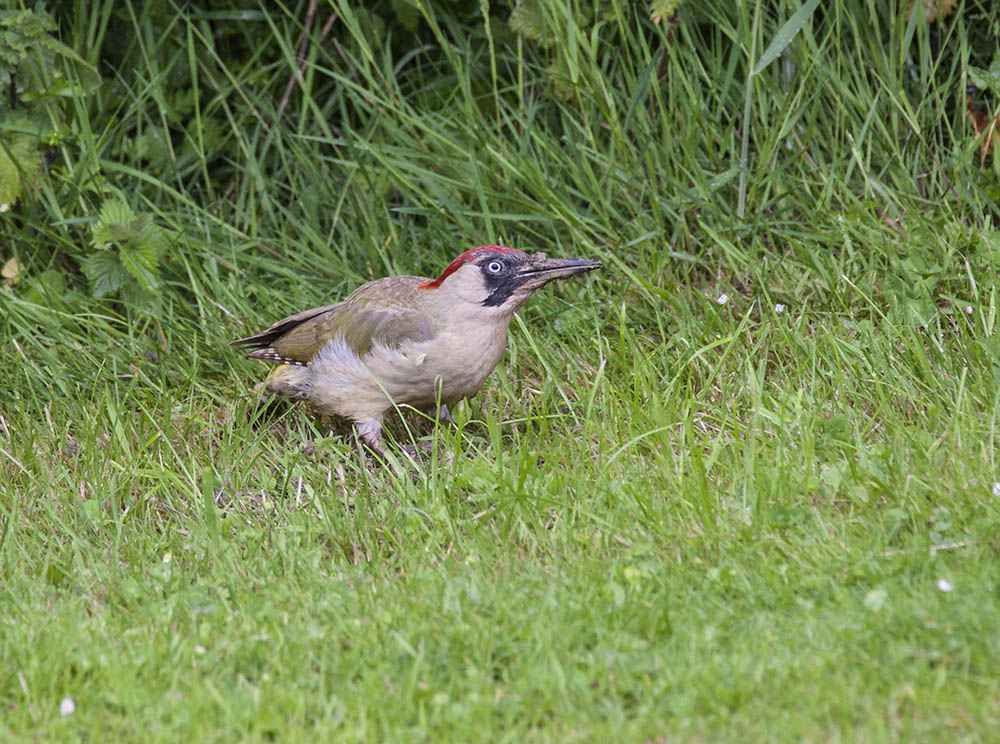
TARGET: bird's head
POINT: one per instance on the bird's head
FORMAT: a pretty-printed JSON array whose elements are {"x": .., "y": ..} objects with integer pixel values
[{"x": 494, "y": 276}]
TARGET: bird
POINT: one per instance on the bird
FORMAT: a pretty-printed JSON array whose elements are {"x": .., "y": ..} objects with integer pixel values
[{"x": 406, "y": 340}]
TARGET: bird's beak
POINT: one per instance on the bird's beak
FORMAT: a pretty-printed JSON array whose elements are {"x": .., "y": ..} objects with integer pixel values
[{"x": 539, "y": 269}]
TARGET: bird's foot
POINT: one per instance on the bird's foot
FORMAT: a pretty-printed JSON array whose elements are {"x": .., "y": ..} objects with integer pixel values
[{"x": 427, "y": 451}]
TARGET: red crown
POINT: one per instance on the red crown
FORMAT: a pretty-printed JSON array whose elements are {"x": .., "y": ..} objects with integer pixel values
[{"x": 469, "y": 255}]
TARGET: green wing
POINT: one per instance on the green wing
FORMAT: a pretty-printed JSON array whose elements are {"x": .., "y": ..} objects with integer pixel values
[{"x": 379, "y": 311}]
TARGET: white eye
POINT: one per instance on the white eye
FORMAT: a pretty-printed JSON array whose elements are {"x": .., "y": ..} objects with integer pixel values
[{"x": 495, "y": 267}]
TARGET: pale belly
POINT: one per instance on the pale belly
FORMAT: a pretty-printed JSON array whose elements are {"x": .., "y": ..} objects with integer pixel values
[{"x": 422, "y": 375}]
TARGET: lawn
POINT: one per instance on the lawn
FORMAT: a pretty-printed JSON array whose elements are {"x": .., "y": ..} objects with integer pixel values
[{"x": 741, "y": 485}]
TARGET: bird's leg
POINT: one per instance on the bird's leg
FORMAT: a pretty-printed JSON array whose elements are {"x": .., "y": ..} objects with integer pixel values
[
  {"x": 439, "y": 414},
  {"x": 370, "y": 433}
]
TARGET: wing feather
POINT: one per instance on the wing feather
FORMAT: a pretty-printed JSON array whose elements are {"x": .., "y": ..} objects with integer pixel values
[{"x": 380, "y": 311}]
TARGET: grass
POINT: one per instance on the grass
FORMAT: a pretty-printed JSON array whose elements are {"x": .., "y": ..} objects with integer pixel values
[{"x": 740, "y": 486}]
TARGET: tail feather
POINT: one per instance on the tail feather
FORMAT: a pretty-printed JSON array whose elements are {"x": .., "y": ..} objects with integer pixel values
[
  {"x": 261, "y": 342},
  {"x": 270, "y": 354}
]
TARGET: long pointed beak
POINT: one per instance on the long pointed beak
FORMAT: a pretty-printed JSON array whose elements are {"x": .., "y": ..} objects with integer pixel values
[{"x": 541, "y": 269}]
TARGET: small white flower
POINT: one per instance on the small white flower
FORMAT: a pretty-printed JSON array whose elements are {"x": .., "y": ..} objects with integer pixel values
[
  {"x": 968, "y": 309},
  {"x": 944, "y": 585},
  {"x": 199, "y": 649},
  {"x": 66, "y": 706},
  {"x": 779, "y": 308},
  {"x": 723, "y": 299},
  {"x": 996, "y": 490}
]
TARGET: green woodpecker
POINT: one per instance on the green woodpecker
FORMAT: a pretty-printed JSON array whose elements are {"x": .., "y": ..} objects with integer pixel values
[{"x": 406, "y": 340}]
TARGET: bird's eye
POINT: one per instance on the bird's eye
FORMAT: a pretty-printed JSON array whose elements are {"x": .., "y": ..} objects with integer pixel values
[{"x": 495, "y": 267}]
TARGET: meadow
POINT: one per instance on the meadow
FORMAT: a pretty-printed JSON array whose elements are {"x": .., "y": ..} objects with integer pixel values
[{"x": 741, "y": 485}]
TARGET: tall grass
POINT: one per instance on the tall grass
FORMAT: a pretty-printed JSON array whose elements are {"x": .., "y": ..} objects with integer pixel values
[{"x": 741, "y": 485}]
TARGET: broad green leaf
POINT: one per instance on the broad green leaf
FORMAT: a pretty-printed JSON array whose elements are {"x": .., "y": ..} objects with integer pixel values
[
  {"x": 19, "y": 162},
  {"x": 48, "y": 288},
  {"x": 86, "y": 73},
  {"x": 141, "y": 262},
  {"x": 115, "y": 212},
  {"x": 987, "y": 79},
  {"x": 105, "y": 272},
  {"x": 660, "y": 10},
  {"x": 526, "y": 20}
]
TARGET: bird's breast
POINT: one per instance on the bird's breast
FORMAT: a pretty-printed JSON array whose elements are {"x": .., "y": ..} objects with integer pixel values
[
  {"x": 446, "y": 368},
  {"x": 453, "y": 365}
]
